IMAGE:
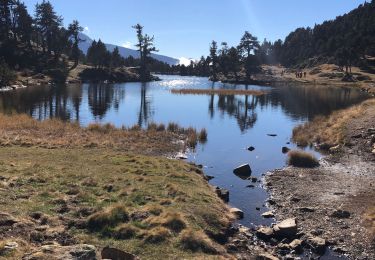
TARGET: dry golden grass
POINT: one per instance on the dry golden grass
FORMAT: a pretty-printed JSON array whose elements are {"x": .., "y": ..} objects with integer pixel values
[
  {"x": 25, "y": 131},
  {"x": 197, "y": 242},
  {"x": 217, "y": 92},
  {"x": 330, "y": 130},
  {"x": 302, "y": 159}
]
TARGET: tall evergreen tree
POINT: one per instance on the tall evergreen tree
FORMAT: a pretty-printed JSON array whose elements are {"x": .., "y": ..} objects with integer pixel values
[
  {"x": 47, "y": 22},
  {"x": 23, "y": 23},
  {"x": 248, "y": 46},
  {"x": 74, "y": 30},
  {"x": 214, "y": 59}
]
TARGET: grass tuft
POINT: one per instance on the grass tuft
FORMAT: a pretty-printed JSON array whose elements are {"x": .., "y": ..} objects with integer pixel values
[
  {"x": 302, "y": 159},
  {"x": 174, "y": 222},
  {"x": 196, "y": 241},
  {"x": 157, "y": 235},
  {"x": 203, "y": 136},
  {"x": 125, "y": 231},
  {"x": 109, "y": 217}
]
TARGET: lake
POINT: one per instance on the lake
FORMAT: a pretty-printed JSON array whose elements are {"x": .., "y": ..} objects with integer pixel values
[{"x": 233, "y": 122}]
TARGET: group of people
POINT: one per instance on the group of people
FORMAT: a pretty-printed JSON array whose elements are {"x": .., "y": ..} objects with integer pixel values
[{"x": 300, "y": 74}]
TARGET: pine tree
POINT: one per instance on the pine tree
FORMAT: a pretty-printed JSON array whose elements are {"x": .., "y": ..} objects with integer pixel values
[
  {"x": 23, "y": 23},
  {"x": 74, "y": 30},
  {"x": 47, "y": 22},
  {"x": 213, "y": 59}
]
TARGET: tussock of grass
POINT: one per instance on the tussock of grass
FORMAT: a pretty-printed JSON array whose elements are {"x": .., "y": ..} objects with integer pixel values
[
  {"x": 157, "y": 235},
  {"x": 125, "y": 231},
  {"x": 173, "y": 221},
  {"x": 217, "y": 92},
  {"x": 107, "y": 218},
  {"x": 203, "y": 135},
  {"x": 196, "y": 241},
  {"x": 328, "y": 130},
  {"x": 302, "y": 159}
]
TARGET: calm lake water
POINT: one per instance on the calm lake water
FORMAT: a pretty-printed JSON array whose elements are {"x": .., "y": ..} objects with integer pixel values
[{"x": 233, "y": 122}]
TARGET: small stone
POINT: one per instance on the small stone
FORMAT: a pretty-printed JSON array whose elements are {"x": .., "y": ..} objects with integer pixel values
[
  {"x": 306, "y": 209},
  {"x": 317, "y": 244},
  {"x": 341, "y": 214},
  {"x": 296, "y": 244},
  {"x": 250, "y": 186},
  {"x": 8, "y": 247},
  {"x": 268, "y": 214},
  {"x": 266, "y": 256},
  {"x": 265, "y": 232},
  {"x": 251, "y": 148},
  {"x": 285, "y": 150},
  {"x": 286, "y": 228},
  {"x": 237, "y": 213},
  {"x": 272, "y": 135},
  {"x": 223, "y": 194}
]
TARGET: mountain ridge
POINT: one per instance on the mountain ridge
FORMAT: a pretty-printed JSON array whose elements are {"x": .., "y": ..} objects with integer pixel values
[{"x": 124, "y": 52}]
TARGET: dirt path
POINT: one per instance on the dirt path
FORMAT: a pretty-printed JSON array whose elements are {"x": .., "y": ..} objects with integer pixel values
[{"x": 337, "y": 200}]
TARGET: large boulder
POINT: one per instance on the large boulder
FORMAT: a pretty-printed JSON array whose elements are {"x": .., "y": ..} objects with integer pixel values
[
  {"x": 116, "y": 254},
  {"x": 286, "y": 228},
  {"x": 243, "y": 171}
]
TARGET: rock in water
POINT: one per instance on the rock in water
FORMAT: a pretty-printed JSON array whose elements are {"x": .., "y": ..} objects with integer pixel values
[
  {"x": 268, "y": 214},
  {"x": 243, "y": 171},
  {"x": 285, "y": 150},
  {"x": 237, "y": 213},
  {"x": 223, "y": 194},
  {"x": 272, "y": 135},
  {"x": 286, "y": 228},
  {"x": 251, "y": 148},
  {"x": 116, "y": 254}
]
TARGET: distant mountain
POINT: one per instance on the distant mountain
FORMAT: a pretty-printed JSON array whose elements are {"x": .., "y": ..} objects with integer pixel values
[{"x": 125, "y": 52}]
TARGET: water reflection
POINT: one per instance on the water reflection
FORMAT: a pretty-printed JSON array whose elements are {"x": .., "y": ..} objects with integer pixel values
[{"x": 103, "y": 102}]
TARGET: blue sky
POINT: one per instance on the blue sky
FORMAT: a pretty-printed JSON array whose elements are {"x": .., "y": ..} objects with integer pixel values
[{"x": 184, "y": 28}]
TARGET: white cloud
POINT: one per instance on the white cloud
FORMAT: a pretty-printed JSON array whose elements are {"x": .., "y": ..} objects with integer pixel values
[
  {"x": 185, "y": 61},
  {"x": 86, "y": 29},
  {"x": 127, "y": 44}
]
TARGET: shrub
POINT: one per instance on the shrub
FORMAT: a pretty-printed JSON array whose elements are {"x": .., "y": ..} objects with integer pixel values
[
  {"x": 196, "y": 241},
  {"x": 302, "y": 159},
  {"x": 160, "y": 128},
  {"x": 152, "y": 126},
  {"x": 135, "y": 128},
  {"x": 173, "y": 127},
  {"x": 107, "y": 218}
]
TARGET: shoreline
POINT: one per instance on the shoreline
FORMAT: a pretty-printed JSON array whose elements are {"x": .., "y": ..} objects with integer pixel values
[{"x": 334, "y": 202}]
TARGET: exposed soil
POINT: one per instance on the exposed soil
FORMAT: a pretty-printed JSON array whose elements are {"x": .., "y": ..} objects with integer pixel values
[{"x": 335, "y": 201}]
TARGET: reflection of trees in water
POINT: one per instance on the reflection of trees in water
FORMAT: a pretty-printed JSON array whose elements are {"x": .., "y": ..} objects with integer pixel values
[
  {"x": 101, "y": 97},
  {"x": 145, "y": 111},
  {"x": 305, "y": 102},
  {"x": 242, "y": 109}
]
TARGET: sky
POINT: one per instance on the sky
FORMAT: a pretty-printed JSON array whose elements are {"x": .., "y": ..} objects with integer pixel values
[{"x": 185, "y": 28}]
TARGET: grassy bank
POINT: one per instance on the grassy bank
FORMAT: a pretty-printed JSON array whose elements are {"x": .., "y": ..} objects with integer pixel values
[
  {"x": 329, "y": 131},
  {"x": 105, "y": 186}
]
